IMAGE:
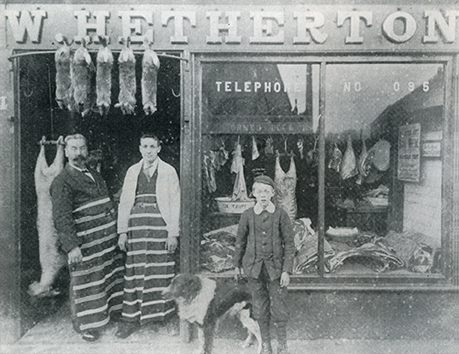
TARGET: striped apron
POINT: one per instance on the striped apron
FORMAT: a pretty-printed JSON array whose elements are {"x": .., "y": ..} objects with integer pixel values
[
  {"x": 149, "y": 267},
  {"x": 96, "y": 287}
]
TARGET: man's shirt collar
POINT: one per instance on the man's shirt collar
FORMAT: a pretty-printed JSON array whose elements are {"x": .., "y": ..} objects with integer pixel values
[
  {"x": 147, "y": 166},
  {"x": 270, "y": 208}
]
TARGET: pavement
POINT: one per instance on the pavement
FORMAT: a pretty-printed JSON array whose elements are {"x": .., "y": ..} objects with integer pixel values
[{"x": 54, "y": 335}]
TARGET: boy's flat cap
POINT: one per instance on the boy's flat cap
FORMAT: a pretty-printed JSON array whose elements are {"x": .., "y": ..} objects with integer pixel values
[{"x": 265, "y": 180}]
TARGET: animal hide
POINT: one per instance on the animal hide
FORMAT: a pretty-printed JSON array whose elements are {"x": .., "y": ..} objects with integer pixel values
[
  {"x": 82, "y": 72},
  {"x": 51, "y": 260},
  {"x": 150, "y": 66},
  {"x": 128, "y": 86},
  {"x": 104, "y": 76},
  {"x": 62, "y": 59}
]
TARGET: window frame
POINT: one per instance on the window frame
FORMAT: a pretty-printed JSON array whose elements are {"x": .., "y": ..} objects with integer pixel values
[{"x": 321, "y": 280}]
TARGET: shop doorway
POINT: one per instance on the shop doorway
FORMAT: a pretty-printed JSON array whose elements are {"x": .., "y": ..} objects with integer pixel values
[{"x": 113, "y": 138}]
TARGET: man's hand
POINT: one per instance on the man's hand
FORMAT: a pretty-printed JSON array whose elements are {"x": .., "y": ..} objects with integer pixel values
[
  {"x": 75, "y": 256},
  {"x": 285, "y": 279},
  {"x": 238, "y": 275},
  {"x": 171, "y": 243},
  {"x": 122, "y": 241}
]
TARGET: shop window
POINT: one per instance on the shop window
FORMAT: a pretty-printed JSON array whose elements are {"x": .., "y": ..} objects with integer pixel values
[
  {"x": 383, "y": 170},
  {"x": 382, "y": 177},
  {"x": 257, "y": 119}
]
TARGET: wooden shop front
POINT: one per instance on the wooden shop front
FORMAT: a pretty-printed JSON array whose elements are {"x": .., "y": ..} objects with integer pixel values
[{"x": 353, "y": 109}]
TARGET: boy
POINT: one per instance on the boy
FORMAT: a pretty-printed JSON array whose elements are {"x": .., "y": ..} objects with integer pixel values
[{"x": 265, "y": 249}]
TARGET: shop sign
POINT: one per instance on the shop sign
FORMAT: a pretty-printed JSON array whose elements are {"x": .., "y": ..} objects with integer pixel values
[
  {"x": 254, "y": 127},
  {"x": 231, "y": 26}
]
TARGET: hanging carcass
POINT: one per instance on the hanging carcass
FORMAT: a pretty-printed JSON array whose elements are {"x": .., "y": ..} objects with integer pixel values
[
  {"x": 51, "y": 260},
  {"x": 286, "y": 187},
  {"x": 150, "y": 67},
  {"x": 128, "y": 86},
  {"x": 336, "y": 158},
  {"x": 237, "y": 167},
  {"x": 348, "y": 166},
  {"x": 82, "y": 72},
  {"x": 363, "y": 168},
  {"x": 104, "y": 76},
  {"x": 62, "y": 59}
]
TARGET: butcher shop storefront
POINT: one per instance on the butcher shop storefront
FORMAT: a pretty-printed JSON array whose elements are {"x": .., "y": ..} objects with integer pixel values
[{"x": 353, "y": 110}]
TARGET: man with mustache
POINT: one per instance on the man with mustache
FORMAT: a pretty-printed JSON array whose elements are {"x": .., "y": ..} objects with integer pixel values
[{"x": 85, "y": 219}]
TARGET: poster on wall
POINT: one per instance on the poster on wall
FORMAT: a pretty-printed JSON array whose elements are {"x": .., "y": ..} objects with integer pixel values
[{"x": 409, "y": 157}]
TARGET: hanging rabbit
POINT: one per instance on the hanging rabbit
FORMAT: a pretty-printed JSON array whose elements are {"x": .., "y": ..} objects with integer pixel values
[
  {"x": 126, "y": 97},
  {"x": 63, "y": 59},
  {"x": 104, "y": 76},
  {"x": 150, "y": 67},
  {"x": 82, "y": 72}
]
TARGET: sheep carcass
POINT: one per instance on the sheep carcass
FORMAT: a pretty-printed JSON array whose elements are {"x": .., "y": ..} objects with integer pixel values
[{"x": 51, "y": 260}]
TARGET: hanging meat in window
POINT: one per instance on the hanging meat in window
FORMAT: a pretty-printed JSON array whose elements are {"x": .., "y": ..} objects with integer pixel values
[
  {"x": 348, "y": 166},
  {"x": 335, "y": 159},
  {"x": 82, "y": 72},
  {"x": 62, "y": 59},
  {"x": 51, "y": 260},
  {"x": 128, "y": 86},
  {"x": 286, "y": 187},
  {"x": 150, "y": 66},
  {"x": 364, "y": 169},
  {"x": 104, "y": 76},
  {"x": 237, "y": 167}
]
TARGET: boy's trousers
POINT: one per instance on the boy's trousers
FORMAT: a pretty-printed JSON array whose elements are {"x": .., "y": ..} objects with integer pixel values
[{"x": 269, "y": 299}]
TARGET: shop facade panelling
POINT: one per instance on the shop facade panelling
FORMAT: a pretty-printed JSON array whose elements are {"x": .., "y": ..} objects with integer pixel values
[{"x": 282, "y": 77}]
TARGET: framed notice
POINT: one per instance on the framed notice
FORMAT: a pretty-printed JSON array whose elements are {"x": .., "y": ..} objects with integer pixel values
[
  {"x": 409, "y": 153},
  {"x": 431, "y": 148}
]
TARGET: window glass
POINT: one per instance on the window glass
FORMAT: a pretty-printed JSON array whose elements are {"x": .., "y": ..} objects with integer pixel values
[
  {"x": 258, "y": 119},
  {"x": 257, "y": 89},
  {"x": 383, "y": 138}
]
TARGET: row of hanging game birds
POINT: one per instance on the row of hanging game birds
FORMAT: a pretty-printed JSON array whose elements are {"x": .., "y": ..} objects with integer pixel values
[{"x": 75, "y": 71}]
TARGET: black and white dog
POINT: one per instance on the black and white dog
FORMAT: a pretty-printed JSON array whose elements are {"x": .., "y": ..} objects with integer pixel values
[{"x": 204, "y": 301}]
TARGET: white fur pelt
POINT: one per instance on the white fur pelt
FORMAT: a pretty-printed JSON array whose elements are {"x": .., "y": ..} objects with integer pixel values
[{"x": 51, "y": 260}]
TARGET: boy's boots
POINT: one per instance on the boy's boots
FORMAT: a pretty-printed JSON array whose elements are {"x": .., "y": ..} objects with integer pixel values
[
  {"x": 265, "y": 337},
  {"x": 281, "y": 331}
]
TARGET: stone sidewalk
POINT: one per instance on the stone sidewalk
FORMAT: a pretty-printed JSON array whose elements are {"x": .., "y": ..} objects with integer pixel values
[
  {"x": 411, "y": 327},
  {"x": 55, "y": 335}
]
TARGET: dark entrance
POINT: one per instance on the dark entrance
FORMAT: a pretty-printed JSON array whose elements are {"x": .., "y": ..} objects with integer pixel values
[{"x": 114, "y": 137}]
